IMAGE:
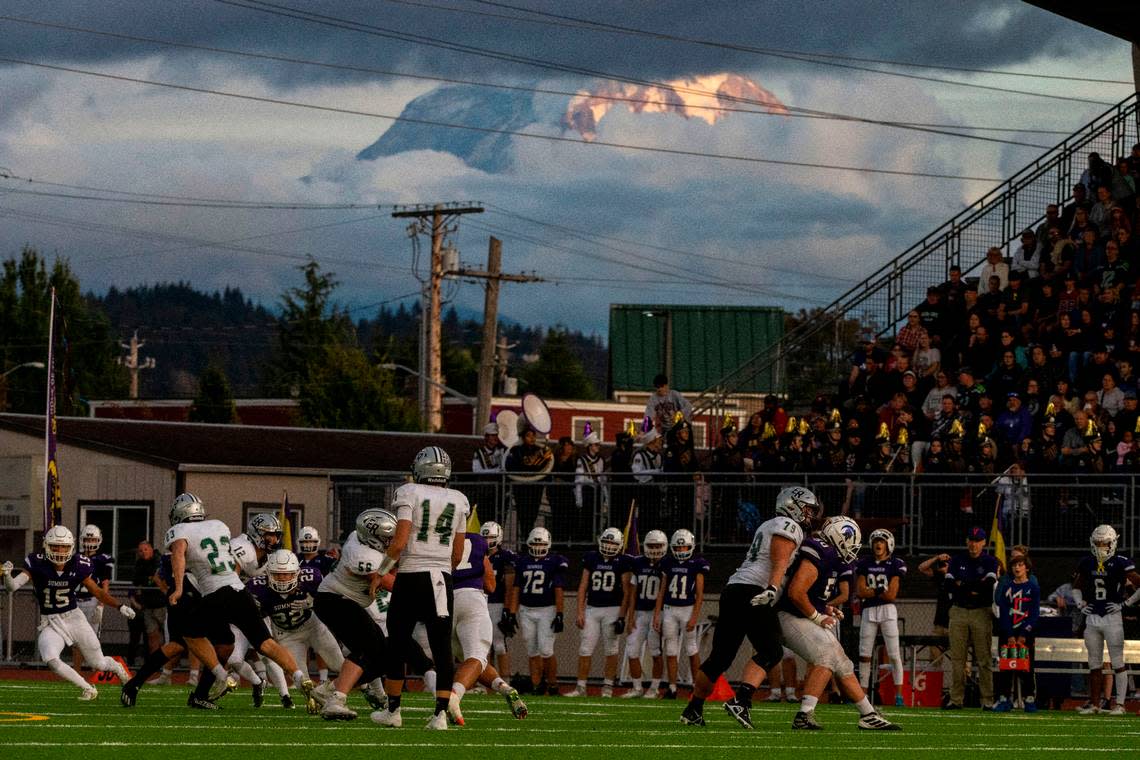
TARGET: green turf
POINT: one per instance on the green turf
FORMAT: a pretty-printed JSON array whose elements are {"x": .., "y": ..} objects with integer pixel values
[{"x": 162, "y": 728}]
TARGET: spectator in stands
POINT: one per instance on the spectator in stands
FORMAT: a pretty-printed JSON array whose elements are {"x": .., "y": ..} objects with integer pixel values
[
  {"x": 1040, "y": 369},
  {"x": 1129, "y": 246},
  {"x": 1092, "y": 374},
  {"x": 1052, "y": 217},
  {"x": 589, "y": 484},
  {"x": 1110, "y": 397},
  {"x": 1101, "y": 212},
  {"x": 531, "y": 460},
  {"x": 1074, "y": 447},
  {"x": 1098, "y": 174},
  {"x": 774, "y": 413},
  {"x": 1088, "y": 255},
  {"x": 1117, "y": 220},
  {"x": 1080, "y": 201},
  {"x": 1134, "y": 161},
  {"x": 979, "y": 351},
  {"x": 909, "y": 334},
  {"x": 995, "y": 265},
  {"x": 681, "y": 468},
  {"x": 1019, "y": 605},
  {"x": 933, "y": 315},
  {"x": 1032, "y": 399},
  {"x": 1061, "y": 251},
  {"x": 969, "y": 393},
  {"x": 1013, "y": 425},
  {"x": 1123, "y": 183},
  {"x": 1069, "y": 341},
  {"x": 927, "y": 360},
  {"x": 1081, "y": 224},
  {"x": 942, "y": 387},
  {"x": 647, "y": 467},
  {"x": 1015, "y": 299},
  {"x": 972, "y": 575},
  {"x": 1006, "y": 376},
  {"x": 726, "y": 472},
  {"x": 988, "y": 303},
  {"x": 1043, "y": 311},
  {"x": 560, "y": 490},
  {"x": 1027, "y": 256},
  {"x": 664, "y": 403}
]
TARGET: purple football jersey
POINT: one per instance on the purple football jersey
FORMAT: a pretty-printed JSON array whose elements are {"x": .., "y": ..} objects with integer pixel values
[
  {"x": 829, "y": 568},
  {"x": 877, "y": 575},
  {"x": 322, "y": 562},
  {"x": 604, "y": 586},
  {"x": 469, "y": 572},
  {"x": 647, "y": 578},
  {"x": 502, "y": 561},
  {"x": 287, "y": 611},
  {"x": 102, "y": 566},
  {"x": 536, "y": 579},
  {"x": 55, "y": 590},
  {"x": 680, "y": 579},
  {"x": 1104, "y": 585}
]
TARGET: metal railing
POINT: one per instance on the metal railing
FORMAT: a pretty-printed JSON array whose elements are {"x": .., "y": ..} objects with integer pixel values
[{"x": 881, "y": 300}]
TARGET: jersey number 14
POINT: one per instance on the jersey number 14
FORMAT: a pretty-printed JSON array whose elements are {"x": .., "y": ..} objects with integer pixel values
[{"x": 443, "y": 524}]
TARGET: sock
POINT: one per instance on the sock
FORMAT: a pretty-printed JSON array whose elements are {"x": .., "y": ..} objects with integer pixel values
[
  {"x": 323, "y": 674},
  {"x": 167, "y": 672},
  {"x": 277, "y": 678},
  {"x": 193, "y": 672},
  {"x": 655, "y": 684},
  {"x": 864, "y": 706},
  {"x": 458, "y": 690},
  {"x": 429, "y": 681},
  {"x": 393, "y": 704},
  {"x": 1121, "y": 684},
  {"x": 202, "y": 690},
  {"x": 245, "y": 671},
  {"x": 744, "y": 694},
  {"x": 581, "y": 684},
  {"x": 259, "y": 668},
  {"x": 440, "y": 704},
  {"x": 298, "y": 677},
  {"x": 608, "y": 682},
  {"x": 219, "y": 672},
  {"x": 63, "y": 670},
  {"x": 501, "y": 686},
  {"x": 789, "y": 692},
  {"x": 897, "y": 673},
  {"x": 808, "y": 703},
  {"x": 865, "y": 675},
  {"x": 153, "y": 663}
]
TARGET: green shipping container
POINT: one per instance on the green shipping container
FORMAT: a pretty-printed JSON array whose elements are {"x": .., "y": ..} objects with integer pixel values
[{"x": 696, "y": 346}]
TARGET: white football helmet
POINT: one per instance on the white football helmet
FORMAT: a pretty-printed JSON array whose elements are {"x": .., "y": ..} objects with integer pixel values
[
  {"x": 375, "y": 528},
  {"x": 843, "y": 533},
  {"x": 282, "y": 569},
  {"x": 432, "y": 465},
  {"x": 656, "y": 544},
  {"x": 682, "y": 544},
  {"x": 91, "y": 539},
  {"x": 308, "y": 540},
  {"x": 59, "y": 544},
  {"x": 263, "y": 527},
  {"x": 493, "y": 532},
  {"x": 800, "y": 504},
  {"x": 882, "y": 534},
  {"x": 610, "y": 542},
  {"x": 1103, "y": 542},
  {"x": 538, "y": 542},
  {"x": 186, "y": 508}
]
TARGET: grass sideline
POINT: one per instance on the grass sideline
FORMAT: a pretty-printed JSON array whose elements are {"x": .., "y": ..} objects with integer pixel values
[{"x": 44, "y": 719}]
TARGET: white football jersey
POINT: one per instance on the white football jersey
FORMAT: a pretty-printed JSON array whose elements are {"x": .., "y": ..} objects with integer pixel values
[
  {"x": 756, "y": 568},
  {"x": 351, "y": 576},
  {"x": 437, "y": 515},
  {"x": 208, "y": 555},
  {"x": 246, "y": 555}
]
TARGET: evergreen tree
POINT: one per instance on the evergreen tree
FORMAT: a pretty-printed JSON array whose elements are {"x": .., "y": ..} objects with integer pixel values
[
  {"x": 558, "y": 373},
  {"x": 215, "y": 400},
  {"x": 347, "y": 391}
]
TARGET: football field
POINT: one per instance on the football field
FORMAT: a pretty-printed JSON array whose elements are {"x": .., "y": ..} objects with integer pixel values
[{"x": 44, "y": 719}]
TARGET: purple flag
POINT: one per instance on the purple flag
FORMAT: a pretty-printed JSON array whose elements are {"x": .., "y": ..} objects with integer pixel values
[{"x": 53, "y": 501}]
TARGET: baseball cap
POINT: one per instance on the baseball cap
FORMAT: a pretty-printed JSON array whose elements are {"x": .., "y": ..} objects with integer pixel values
[{"x": 976, "y": 534}]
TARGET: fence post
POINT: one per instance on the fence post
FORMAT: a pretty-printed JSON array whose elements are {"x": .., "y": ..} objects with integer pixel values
[{"x": 8, "y": 626}]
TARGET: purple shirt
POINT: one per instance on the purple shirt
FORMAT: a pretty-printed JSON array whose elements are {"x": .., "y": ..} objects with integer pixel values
[
  {"x": 287, "y": 611},
  {"x": 536, "y": 579},
  {"x": 469, "y": 572},
  {"x": 647, "y": 578},
  {"x": 829, "y": 570},
  {"x": 680, "y": 579},
  {"x": 604, "y": 587},
  {"x": 102, "y": 566},
  {"x": 877, "y": 575},
  {"x": 55, "y": 590},
  {"x": 1102, "y": 586},
  {"x": 502, "y": 560},
  {"x": 321, "y": 562}
]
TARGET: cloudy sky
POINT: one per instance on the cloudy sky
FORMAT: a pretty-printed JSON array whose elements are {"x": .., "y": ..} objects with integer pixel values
[{"x": 602, "y": 224}]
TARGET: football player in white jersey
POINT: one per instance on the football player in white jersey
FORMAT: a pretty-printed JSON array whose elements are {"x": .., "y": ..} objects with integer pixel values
[
  {"x": 748, "y": 603},
  {"x": 201, "y": 548},
  {"x": 56, "y": 574},
  {"x": 251, "y": 550},
  {"x": 429, "y": 543}
]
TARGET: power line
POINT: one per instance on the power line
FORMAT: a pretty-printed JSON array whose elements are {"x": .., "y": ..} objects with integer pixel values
[
  {"x": 485, "y": 130},
  {"x": 793, "y": 111}
]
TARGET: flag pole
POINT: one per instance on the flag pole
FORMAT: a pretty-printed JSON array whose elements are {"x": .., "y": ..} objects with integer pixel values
[{"x": 52, "y": 502}]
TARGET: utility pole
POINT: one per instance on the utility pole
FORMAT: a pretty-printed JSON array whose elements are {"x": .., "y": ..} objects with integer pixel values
[
  {"x": 132, "y": 363},
  {"x": 440, "y": 216}
]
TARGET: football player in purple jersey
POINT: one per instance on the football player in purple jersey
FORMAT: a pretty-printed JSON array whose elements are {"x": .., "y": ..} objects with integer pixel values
[
  {"x": 536, "y": 600},
  {"x": 641, "y": 601},
  {"x": 56, "y": 574},
  {"x": 601, "y": 598},
  {"x": 503, "y": 561},
  {"x": 310, "y": 554},
  {"x": 102, "y": 566},
  {"x": 877, "y": 580},
  {"x": 1101, "y": 578},
  {"x": 679, "y": 605}
]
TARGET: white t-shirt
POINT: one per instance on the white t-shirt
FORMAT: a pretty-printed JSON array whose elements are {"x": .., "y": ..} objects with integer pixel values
[
  {"x": 351, "y": 576},
  {"x": 438, "y": 516},
  {"x": 209, "y": 557},
  {"x": 756, "y": 569}
]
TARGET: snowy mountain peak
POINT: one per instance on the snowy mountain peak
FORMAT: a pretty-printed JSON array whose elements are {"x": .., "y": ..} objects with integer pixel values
[{"x": 700, "y": 97}]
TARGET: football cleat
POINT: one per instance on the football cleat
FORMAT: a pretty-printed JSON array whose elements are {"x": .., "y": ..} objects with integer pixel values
[
  {"x": 259, "y": 694},
  {"x": 670, "y": 693},
  {"x": 955, "y": 706},
  {"x": 321, "y": 693},
  {"x": 89, "y": 695},
  {"x": 876, "y": 722},
  {"x": 162, "y": 680},
  {"x": 287, "y": 702},
  {"x": 335, "y": 708},
  {"x": 438, "y": 722},
  {"x": 634, "y": 693},
  {"x": 128, "y": 695},
  {"x": 193, "y": 679},
  {"x": 607, "y": 691},
  {"x": 552, "y": 690},
  {"x": 651, "y": 694},
  {"x": 374, "y": 700},
  {"x": 1030, "y": 705},
  {"x": 1003, "y": 705},
  {"x": 691, "y": 716},
  {"x": 515, "y": 703},
  {"x": 1115, "y": 710},
  {"x": 899, "y": 701},
  {"x": 1088, "y": 708},
  {"x": 454, "y": 714},
  {"x": 739, "y": 712},
  {"x": 200, "y": 704},
  {"x": 775, "y": 696},
  {"x": 579, "y": 691},
  {"x": 221, "y": 689},
  {"x": 387, "y": 718},
  {"x": 806, "y": 721}
]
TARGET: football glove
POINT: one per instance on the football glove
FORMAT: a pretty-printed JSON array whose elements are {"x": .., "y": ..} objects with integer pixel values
[
  {"x": 766, "y": 598},
  {"x": 619, "y": 626},
  {"x": 1111, "y": 608},
  {"x": 557, "y": 625},
  {"x": 127, "y": 611},
  {"x": 508, "y": 623}
]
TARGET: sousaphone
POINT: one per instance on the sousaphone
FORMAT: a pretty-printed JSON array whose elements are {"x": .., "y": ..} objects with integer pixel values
[{"x": 535, "y": 415}]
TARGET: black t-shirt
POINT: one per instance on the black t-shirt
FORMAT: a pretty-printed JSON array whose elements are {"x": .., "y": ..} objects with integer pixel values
[{"x": 150, "y": 595}]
